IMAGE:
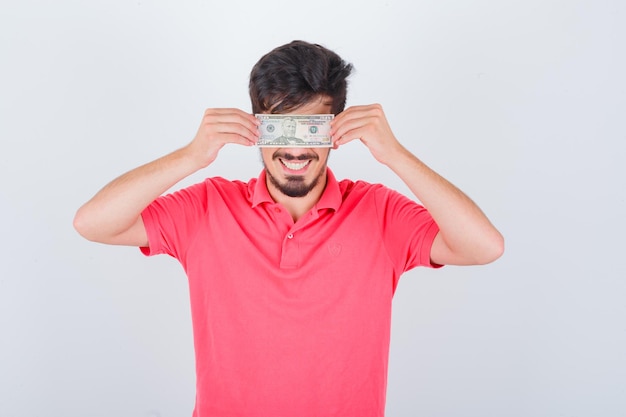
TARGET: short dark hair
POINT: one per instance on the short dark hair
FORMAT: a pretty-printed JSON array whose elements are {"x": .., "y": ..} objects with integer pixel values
[{"x": 295, "y": 74}]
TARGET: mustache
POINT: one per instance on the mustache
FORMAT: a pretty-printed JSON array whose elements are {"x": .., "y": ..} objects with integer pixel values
[{"x": 289, "y": 157}]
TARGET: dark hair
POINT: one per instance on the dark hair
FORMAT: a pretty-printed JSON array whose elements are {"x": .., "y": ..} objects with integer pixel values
[{"x": 295, "y": 74}]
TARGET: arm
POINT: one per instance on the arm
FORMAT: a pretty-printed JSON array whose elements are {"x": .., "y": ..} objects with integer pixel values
[
  {"x": 113, "y": 215},
  {"x": 466, "y": 236}
]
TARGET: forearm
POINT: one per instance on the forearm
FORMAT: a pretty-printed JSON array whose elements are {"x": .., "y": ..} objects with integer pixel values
[
  {"x": 469, "y": 236},
  {"x": 117, "y": 206},
  {"x": 113, "y": 214},
  {"x": 466, "y": 235}
]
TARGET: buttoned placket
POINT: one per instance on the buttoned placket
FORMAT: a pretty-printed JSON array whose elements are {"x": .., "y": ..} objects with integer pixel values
[{"x": 290, "y": 254}]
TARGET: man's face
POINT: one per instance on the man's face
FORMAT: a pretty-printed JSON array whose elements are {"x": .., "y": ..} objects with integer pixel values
[
  {"x": 295, "y": 172},
  {"x": 289, "y": 128}
]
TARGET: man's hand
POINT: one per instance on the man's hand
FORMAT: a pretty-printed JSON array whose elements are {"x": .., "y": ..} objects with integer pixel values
[
  {"x": 370, "y": 126},
  {"x": 219, "y": 127},
  {"x": 113, "y": 215},
  {"x": 466, "y": 236}
]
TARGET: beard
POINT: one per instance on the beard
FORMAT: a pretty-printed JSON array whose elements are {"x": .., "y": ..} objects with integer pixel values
[{"x": 294, "y": 185}]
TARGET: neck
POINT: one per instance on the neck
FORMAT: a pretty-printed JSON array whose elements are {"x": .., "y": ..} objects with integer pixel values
[{"x": 297, "y": 206}]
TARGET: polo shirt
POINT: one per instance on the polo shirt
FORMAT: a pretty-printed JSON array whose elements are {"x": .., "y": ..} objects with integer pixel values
[{"x": 290, "y": 318}]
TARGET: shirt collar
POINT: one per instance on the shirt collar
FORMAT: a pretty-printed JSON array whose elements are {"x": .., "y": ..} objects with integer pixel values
[
  {"x": 260, "y": 193},
  {"x": 330, "y": 199}
]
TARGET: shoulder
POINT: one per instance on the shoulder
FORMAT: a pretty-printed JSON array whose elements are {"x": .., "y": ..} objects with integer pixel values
[
  {"x": 221, "y": 182},
  {"x": 228, "y": 188},
  {"x": 210, "y": 189},
  {"x": 361, "y": 188},
  {"x": 360, "y": 194},
  {"x": 376, "y": 195}
]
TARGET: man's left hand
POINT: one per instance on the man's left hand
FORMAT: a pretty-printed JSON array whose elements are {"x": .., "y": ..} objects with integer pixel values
[{"x": 369, "y": 125}]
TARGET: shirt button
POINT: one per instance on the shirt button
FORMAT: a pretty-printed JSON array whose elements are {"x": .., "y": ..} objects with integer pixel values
[
  {"x": 277, "y": 209},
  {"x": 290, "y": 236}
]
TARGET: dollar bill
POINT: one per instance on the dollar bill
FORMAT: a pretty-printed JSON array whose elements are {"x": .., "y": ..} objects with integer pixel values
[{"x": 306, "y": 131}]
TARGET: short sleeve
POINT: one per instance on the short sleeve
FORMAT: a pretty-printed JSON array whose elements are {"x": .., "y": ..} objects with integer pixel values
[
  {"x": 408, "y": 230},
  {"x": 172, "y": 220}
]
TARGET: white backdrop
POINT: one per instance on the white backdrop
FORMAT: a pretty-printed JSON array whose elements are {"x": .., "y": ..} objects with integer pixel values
[{"x": 521, "y": 104}]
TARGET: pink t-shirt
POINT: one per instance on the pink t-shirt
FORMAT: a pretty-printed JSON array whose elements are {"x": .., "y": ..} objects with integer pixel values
[{"x": 290, "y": 319}]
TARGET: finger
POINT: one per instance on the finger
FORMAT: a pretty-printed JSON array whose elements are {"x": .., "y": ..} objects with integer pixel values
[
  {"x": 348, "y": 127},
  {"x": 241, "y": 140},
  {"x": 239, "y": 130},
  {"x": 223, "y": 111},
  {"x": 215, "y": 116},
  {"x": 231, "y": 123},
  {"x": 355, "y": 112},
  {"x": 235, "y": 138},
  {"x": 233, "y": 117},
  {"x": 344, "y": 115},
  {"x": 343, "y": 140},
  {"x": 355, "y": 117}
]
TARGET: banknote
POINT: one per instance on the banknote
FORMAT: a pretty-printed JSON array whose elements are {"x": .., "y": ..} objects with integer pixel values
[{"x": 303, "y": 130}]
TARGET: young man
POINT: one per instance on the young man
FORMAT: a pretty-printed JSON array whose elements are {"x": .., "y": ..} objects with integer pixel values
[{"x": 291, "y": 275}]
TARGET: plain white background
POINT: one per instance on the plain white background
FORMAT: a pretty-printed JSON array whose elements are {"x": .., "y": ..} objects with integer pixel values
[{"x": 521, "y": 104}]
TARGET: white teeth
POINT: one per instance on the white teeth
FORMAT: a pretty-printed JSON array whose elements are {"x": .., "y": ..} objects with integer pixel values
[{"x": 294, "y": 165}]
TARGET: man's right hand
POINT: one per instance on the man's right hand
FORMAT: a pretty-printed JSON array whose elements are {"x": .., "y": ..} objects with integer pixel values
[
  {"x": 219, "y": 127},
  {"x": 113, "y": 215}
]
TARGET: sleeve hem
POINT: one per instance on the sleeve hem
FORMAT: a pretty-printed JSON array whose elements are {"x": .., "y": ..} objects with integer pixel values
[
  {"x": 429, "y": 238},
  {"x": 148, "y": 222}
]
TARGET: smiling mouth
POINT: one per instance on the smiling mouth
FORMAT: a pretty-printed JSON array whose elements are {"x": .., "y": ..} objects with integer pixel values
[{"x": 294, "y": 166}]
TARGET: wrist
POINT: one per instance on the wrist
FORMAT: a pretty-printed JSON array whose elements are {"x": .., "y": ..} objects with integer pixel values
[
  {"x": 193, "y": 158},
  {"x": 397, "y": 155}
]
